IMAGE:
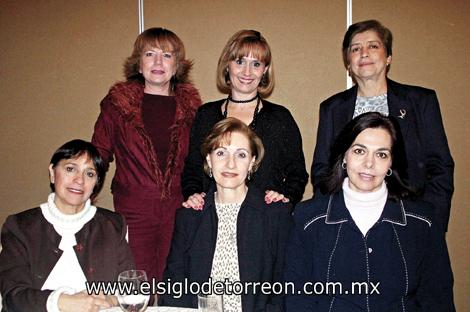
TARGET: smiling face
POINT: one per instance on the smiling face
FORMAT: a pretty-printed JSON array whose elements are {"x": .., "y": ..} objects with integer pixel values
[
  {"x": 157, "y": 67},
  {"x": 367, "y": 57},
  {"x": 74, "y": 180},
  {"x": 245, "y": 75},
  {"x": 368, "y": 160},
  {"x": 231, "y": 162}
]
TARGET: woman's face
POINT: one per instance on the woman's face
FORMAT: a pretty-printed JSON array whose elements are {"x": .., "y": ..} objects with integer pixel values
[
  {"x": 157, "y": 67},
  {"x": 245, "y": 76},
  {"x": 74, "y": 180},
  {"x": 367, "y": 57},
  {"x": 231, "y": 162},
  {"x": 368, "y": 160}
]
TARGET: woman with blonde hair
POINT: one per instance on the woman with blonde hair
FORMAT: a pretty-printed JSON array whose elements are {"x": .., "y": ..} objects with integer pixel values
[{"x": 245, "y": 72}]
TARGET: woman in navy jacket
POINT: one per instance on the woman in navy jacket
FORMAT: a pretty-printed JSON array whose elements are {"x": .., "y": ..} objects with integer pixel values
[
  {"x": 364, "y": 236},
  {"x": 236, "y": 236},
  {"x": 367, "y": 55}
]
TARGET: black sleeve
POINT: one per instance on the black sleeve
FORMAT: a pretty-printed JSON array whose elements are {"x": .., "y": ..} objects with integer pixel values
[
  {"x": 298, "y": 268},
  {"x": 439, "y": 185},
  {"x": 325, "y": 138},
  {"x": 192, "y": 178},
  {"x": 293, "y": 160},
  {"x": 435, "y": 291},
  {"x": 177, "y": 262},
  {"x": 284, "y": 224}
]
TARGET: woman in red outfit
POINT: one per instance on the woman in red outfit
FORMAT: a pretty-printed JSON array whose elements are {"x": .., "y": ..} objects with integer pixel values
[{"x": 144, "y": 123}]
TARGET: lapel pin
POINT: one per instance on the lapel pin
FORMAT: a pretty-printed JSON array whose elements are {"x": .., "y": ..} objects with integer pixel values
[{"x": 402, "y": 113}]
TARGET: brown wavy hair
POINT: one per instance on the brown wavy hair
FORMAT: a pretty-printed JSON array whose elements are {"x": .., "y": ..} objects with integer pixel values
[
  {"x": 221, "y": 133},
  {"x": 242, "y": 44},
  {"x": 165, "y": 40}
]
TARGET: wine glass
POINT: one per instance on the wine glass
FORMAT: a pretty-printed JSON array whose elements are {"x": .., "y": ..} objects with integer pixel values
[
  {"x": 210, "y": 303},
  {"x": 130, "y": 296}
]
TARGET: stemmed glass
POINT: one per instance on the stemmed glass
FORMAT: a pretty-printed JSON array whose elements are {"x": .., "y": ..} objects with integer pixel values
[
  {"x": 210, "y": 303},
  {"x": 130, "y": 296}
]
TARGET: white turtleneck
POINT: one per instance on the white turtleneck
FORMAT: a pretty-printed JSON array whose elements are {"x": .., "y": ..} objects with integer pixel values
[
  {"x": 67, "y": 275},
  {"x": 365, "y": 208}
]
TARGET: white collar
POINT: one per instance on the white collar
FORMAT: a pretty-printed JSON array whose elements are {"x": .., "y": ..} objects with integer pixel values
[
  {"x": 364, "y": 199},
  {"x": 64, "y": 224}
]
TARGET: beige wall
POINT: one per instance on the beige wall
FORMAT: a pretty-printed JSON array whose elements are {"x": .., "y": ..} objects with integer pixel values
[{"x": 58, "y": 58}]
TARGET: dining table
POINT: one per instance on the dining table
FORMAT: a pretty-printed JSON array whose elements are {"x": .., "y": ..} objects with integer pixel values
[{"x": 155, "y": 309}]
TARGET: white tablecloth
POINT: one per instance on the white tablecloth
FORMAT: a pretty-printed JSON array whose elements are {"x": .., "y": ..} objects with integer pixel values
[{"x": 155, "y": 309}]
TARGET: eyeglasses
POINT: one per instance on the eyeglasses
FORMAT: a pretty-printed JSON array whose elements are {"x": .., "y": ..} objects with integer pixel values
[{"x": 371, "y": 45}]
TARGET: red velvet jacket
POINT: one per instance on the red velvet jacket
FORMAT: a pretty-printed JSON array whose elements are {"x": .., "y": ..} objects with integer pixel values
[{"x": 119, "y": 132}]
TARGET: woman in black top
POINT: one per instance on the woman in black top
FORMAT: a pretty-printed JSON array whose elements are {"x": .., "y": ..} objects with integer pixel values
[
  {"x": 245, "y": 73},
  {"x": 237, "y": 238}
]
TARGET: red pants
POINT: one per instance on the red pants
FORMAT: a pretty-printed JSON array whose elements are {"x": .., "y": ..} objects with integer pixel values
[{"x": 150, "y": 221}]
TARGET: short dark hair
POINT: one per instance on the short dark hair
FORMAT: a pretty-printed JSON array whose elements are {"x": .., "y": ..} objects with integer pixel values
[
  {"x": 397, "y": 189},
  {"x": 163, "y": 39},
  {"x": 383, "y": 32},
  {"x": 222, "y": 131},
  {"x": 75, "y": 149},
  {"x": 239, "y": 45}
]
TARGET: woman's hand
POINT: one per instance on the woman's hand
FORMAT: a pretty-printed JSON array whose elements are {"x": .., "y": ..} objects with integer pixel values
[
  {"x": 272, "y": 196},
  {"x": 195, "y": 201},
  {"x": 82, "y": 302}
]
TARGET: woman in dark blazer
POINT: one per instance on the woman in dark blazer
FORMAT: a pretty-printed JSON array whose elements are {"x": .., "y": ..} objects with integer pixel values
[
  {"x": 236, "y": 236},
  {"x": 378, "y": 251},
  {"x": 367, "y": 54},
  {"x": 50, "y": 252}
]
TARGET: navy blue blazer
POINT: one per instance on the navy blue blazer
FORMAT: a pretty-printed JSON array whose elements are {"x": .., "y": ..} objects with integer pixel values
[
  {"x": 262, "y": 234},
  {"x": 416, "y": 109},
  {"x": 402, "y": 260}
]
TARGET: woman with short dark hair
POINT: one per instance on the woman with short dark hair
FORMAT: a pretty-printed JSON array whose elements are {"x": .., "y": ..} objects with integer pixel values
[
  {"x": 365, "y": 233},
  {"x": 50, "y": 252}
]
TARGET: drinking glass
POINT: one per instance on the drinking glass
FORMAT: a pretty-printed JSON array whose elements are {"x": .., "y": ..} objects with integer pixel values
[
  {"x": 130, "y": 297},
  {"x": 210, "y": 303}
]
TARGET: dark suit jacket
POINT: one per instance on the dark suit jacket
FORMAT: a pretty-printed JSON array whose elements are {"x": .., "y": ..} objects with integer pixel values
[
  {"x": 416, "y": 109},
  {"x": 262, "y": 233},
  {"x": 30, "y": 252},
  {"x": 404, "y": 254}
]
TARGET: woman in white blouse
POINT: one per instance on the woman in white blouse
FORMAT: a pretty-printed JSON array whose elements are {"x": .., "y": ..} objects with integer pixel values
[
  {"x": 236, "y": 237},
  {"x": 50, "y": 252}
]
